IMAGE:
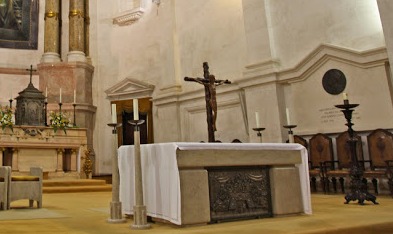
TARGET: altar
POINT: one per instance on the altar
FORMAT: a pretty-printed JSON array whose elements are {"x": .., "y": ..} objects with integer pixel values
[
  {"x": 58, "y": 153},
  {"x": 177, "y": 180}
]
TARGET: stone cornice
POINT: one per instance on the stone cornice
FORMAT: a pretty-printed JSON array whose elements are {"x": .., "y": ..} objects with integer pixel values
[{"x": 129, "y": 17}]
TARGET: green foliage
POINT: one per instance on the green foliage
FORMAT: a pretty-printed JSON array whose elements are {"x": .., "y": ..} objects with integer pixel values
[
  {"x": 6, "y": 117},
  {"x": 59, "y": 120}
]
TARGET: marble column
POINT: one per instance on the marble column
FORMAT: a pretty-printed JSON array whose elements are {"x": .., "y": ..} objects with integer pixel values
[
  {"x": 52, "y": 32},
  {"x": 77, "y": 31},
  {"x": 87, "y": 31}
]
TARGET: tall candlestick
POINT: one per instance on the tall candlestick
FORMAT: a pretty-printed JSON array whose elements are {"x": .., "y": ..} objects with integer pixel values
[
  {"x": 288, "y": 120},
  {"x": 136, "y": 111},
  {"x": 60, "y": 96},
  {"x": 114, "y": 117},
  {"x": 257, "y": 118},
  {"x": 74, "y": 96}
]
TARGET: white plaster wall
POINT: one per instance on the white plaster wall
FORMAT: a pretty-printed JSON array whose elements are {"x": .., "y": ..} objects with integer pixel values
[
  {"x": 300, "y": 26},
  {"x": 314, "y": 111}
]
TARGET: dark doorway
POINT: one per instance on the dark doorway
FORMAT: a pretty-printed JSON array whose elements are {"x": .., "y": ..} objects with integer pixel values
[
  {"x": 7, "y": 157},
  {"x": 128, "y": 129}
]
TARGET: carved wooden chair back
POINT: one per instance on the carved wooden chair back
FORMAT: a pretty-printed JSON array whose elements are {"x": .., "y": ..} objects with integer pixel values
[
  {"x": 380, "y": 147},
  {"x": 300, "y": 140},
  {"x": 321, "y": 150},
  {"x": 344, "y": 152}
]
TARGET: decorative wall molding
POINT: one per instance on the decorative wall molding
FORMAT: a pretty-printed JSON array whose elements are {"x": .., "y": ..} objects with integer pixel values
[
  {"x": 129, "y": 88},
  {"x": 129, "y": 17}
]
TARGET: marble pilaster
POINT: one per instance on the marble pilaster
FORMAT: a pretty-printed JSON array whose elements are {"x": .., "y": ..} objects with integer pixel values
[
  {"x": 15, "y": 156},
  {"x": 256, "y": 25},
  {"x": 60, "y": 153},
  {"x": 70, "y": 76},
  {"x": 73, "y": 160},
  {"x": 2, "y": 149},
  {"x": 52, "y": 32},
  {"x": 77, "y": 31},
  {"x": 385, "y": 8}
]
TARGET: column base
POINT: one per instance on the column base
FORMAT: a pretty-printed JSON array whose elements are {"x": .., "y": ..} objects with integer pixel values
[
  {"x": 76, "y": 56},
  {"x": 140, "y": 218},
  {"x": 50, "y": 57},
  {"x": 116, "y": 216}
]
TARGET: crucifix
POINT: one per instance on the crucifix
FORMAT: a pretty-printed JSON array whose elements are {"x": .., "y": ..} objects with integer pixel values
[
  {"x": 31, "y": 72},
  {"x": 209, "y": 82}
]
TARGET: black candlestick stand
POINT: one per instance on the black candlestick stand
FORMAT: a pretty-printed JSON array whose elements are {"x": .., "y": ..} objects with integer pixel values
[
  {"x": 10, "y": 103},
  {"x": 358, "y": 188},
  {"x": 290, "y": 132},
  {"x": 60, "y": 104},
  {"x": 74, "y": 105},
  {"x": 259, "y": 132},
  {"x": 46, "y": 112}
]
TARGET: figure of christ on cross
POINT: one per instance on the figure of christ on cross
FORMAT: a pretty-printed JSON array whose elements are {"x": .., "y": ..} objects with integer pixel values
[{"x": 210, "y": 83}]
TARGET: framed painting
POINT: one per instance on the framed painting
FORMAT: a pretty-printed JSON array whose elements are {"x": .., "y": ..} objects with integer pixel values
[{"x": 19, "y": 24}]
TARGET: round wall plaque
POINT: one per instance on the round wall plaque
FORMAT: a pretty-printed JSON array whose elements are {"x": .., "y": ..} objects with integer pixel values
[{"x": 334, "y": 81}]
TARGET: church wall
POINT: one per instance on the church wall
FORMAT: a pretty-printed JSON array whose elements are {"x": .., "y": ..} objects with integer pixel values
[
  {"x": 172, "y": 41},
  {"x": 314, "y": 109},
  {"x": 300, "y": 26}
]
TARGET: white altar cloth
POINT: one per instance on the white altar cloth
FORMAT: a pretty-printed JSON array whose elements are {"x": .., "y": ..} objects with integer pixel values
[{"x": 160, "y": 175}]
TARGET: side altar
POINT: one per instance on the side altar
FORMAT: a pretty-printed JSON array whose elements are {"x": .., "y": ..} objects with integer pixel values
[
  {"x": 33, "y": 142},
  {"x": 58, "y": 153}
]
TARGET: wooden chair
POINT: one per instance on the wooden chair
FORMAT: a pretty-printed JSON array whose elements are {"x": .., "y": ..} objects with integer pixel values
[
  {"x": 4, "y": 182},
  {"x": 300, "y": 140},
  {"x": 343, "y": 163},
  {"x": 321, "y": 150},
  {"x": 27, "y": 187},
  {"x": 380, "y": 147}
]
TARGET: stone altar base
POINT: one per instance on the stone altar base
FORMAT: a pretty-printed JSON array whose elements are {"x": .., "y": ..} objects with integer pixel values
[{"x": 254, "y": 180}]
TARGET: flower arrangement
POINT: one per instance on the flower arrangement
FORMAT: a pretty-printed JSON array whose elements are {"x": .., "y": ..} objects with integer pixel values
[
  {"x": 59, "y": 120},
  {"x": 6, "y": 117}
]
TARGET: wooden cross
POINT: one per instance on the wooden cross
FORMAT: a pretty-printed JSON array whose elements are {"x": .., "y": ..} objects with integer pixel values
[
  {"x": 31, "y": 72},
  {"x": 210, "y": 83}
]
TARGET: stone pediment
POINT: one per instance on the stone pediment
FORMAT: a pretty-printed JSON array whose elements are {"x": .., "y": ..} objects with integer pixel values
[{"x": 129, "y": 88}]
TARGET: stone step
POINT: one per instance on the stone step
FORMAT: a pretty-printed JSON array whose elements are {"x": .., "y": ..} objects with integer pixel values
[{"x": 74, "y": 186}]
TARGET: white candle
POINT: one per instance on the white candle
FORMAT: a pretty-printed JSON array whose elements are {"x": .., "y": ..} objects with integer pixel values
[
  {"x": 288, "y": 120},
  {"x": 114, "y": 115},
  {"x": 46, "y": 92},
  {"x": 11, "y": 94},
  {"x": 345, "y": 96},
  {"x": 60, "y": 96},
  {"x": 257, "y": 118},
  {"x": 136, "y": 112},
  {"x": 74, "y": 96}
]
